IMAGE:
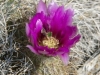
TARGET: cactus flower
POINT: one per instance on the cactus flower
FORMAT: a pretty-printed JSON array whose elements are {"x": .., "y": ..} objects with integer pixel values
[{"x": 51, "y": 32}]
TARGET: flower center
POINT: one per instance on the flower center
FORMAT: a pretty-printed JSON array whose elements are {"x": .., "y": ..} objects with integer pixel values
[{"x": 51, "y": 42}]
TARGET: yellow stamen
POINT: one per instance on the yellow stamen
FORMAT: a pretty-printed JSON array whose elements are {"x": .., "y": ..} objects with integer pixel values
[{"x": 51, "y": 42}]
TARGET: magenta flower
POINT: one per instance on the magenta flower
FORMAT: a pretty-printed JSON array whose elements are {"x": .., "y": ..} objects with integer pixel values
[{"x": 51, "y": 31}]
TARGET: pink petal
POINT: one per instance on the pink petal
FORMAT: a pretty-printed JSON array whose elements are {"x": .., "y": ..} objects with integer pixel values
[
  {"x": 73, "y": 41},
  {"x": 36, "y": 32},
  {"x": 52, "y": 8},
  {"x": 41, "y": 7},
  {"x": 43, "y": 52},
  {"x": 32, "y": 49},
  {"x": 69, "y": 13},
  {"x": 65, "y": 58},
  {"x": 27, "y": 29},
  {"x": 39, "y": 24},
  {"x": 63, "y": 50}
]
